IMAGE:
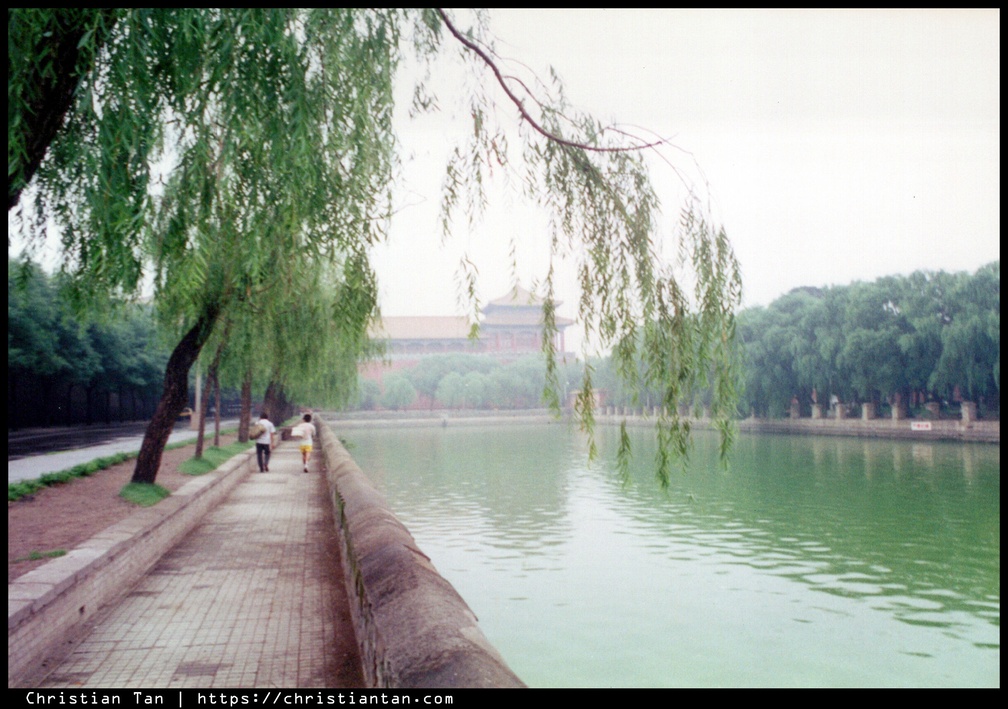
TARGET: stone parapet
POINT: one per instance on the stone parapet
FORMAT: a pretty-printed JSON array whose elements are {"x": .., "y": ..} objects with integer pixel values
[
  {"x": 969, "y": 413},
  {"x": 978, "y": 431},
  {"x": 412, "y": 627},
  {"x": 984, "y": 431}
]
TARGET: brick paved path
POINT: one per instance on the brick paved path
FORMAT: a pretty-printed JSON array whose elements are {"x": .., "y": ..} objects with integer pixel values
[{"x": 252, "y": 598}]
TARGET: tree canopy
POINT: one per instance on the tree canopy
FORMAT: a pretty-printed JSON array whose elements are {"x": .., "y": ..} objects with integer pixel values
[
  {"x": 228, "y": 155},
  {"x": 62, "y": 370},
  {"x": 929, "y": 335}
]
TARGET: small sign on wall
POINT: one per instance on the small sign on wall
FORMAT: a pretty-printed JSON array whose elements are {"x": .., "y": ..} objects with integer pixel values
[{"x": 920, "y": 425}]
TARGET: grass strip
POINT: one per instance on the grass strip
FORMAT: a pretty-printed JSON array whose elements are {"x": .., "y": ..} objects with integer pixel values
[
  {"x": 24, "y": 488},
  {"x": 213, "y": 458},
  {"x": 143, "y": 494},
  {"x": 37, "y": 555}
]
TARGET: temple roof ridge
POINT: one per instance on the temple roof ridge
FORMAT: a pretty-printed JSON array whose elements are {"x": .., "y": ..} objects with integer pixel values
[{"x": 518, "y": 296}]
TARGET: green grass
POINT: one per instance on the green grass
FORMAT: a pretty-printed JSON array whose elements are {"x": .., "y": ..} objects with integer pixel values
[
  {"x": 23, "y": 488},
  {"x": 36, "y": 555},
  {"x": 213, "y": 458},
  {"x": 143, "y": 494}
]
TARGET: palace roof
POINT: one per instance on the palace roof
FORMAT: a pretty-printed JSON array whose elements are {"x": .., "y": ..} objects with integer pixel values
[
  {"x": 517, "y": 308},
  {"x": 423, "y": 328}
]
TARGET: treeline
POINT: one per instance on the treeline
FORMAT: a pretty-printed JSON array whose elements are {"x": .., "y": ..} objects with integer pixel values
[
  {"x": 105, "y": 365},
  {"x": 926, "y": 337},
  {"x": 463, "y": 381},
  {"x": 64, "y": 371},
  {"x": 929, "y": 336}
]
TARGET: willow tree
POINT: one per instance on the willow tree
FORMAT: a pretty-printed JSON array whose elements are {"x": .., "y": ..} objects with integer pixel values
[
  {"x": 314, "y": 345},
  {"x": 202, "y": 147},
  {"x": 303, "y": 344}
]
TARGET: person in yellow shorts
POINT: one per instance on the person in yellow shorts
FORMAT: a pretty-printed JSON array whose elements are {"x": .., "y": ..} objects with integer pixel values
[{"x": 308, "y": 432}]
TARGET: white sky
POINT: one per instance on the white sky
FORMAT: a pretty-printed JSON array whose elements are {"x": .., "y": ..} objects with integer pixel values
[{"x": 838, "y": 145}]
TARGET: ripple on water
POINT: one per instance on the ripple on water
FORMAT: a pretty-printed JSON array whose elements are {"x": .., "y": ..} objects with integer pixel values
[{"x": 781, "y": 560}]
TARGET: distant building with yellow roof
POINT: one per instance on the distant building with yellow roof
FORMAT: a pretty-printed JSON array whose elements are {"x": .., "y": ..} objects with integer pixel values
[{"x": 511, "y": 325}]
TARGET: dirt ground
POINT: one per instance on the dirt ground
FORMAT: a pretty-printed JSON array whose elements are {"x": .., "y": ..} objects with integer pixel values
[{"x": 63, "y": 516}]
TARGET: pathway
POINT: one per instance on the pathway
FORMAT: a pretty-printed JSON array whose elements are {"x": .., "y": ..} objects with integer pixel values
[{"x": 253, "y": 597}]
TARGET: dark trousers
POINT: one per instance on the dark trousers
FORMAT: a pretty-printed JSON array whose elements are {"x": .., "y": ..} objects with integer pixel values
[{"x": 263, "y": 455}]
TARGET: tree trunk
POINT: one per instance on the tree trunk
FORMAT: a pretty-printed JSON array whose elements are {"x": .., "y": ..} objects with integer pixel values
[
  {"x": 55, "y": 85},
  {"x": 246, "y": 407},
  {"x": 217, "y": 411},
  {"x": 211, "y": 385},
  {"x": 202, "y": 427},
  {"x": 277, "y": 404},
  {"x": 173, "y": 398},
  {"x": 269, "y": 404}
]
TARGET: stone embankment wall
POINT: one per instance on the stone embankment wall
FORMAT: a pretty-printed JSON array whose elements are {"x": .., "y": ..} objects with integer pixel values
[
  {"x": 413, "y": 628},
  {"x": 977, "y": 431},
  {"x": 971, "y": 430},
  {"x": 933, "y": 430}
]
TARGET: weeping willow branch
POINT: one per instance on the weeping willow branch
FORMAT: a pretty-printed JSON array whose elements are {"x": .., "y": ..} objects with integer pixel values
[{"x": 482, "y": 54}]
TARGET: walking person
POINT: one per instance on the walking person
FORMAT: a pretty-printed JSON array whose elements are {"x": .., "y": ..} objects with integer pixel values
[
  {"x": 264, "y": 441},
  {"x": 305, "y": 431}
]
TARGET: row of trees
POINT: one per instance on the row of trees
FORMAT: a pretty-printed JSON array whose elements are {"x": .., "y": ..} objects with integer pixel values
[
  {"x": 462, "y": 381},
  {"x": 926, "y": 336},
  {"x": 240, "y": 161},
  {"x": 63, "y": 371},
  {"x": 929, "y": 336}
]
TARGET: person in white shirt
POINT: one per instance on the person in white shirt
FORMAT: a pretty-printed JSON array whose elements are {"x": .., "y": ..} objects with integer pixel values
[
  {"x": 264, "y": 442},
  {"x": 308, "y": 432}
]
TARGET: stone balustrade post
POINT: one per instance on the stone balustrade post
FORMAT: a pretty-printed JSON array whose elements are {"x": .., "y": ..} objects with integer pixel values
[{"x": 969, "y": 412}]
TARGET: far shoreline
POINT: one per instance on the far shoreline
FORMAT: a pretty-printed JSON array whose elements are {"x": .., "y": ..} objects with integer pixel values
[{"x": 938, "y": 430}]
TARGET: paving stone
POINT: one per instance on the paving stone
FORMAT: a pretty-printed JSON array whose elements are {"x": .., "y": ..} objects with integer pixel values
[{"x": 253, "y": 597}]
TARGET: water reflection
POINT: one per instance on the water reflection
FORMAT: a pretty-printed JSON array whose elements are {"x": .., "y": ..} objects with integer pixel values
[
  {"x": 788, "y": 568},
  {"x": 853, "y": 523}
]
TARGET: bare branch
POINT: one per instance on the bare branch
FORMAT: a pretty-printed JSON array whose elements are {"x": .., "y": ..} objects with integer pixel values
[{"x": 482, "y": 54}]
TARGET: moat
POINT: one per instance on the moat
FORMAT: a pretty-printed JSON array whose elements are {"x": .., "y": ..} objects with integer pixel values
[{"x": 810, "y": 561}]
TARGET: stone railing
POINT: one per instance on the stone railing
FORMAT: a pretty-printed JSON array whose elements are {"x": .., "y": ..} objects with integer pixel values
[
  {"x": 975, "y": 432},
  {"x": 968, "y": 429},
  {"x": 413, "y": 628}
]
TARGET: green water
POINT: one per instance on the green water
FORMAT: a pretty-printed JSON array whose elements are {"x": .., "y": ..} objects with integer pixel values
[{"x": 810, "y": 562}]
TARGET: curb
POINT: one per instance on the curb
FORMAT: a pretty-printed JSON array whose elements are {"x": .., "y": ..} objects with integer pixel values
[{"x": 48, "y": 607}]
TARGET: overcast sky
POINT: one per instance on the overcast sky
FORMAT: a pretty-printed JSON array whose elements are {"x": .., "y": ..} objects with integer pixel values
[{"x": 838, "y": 145}]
